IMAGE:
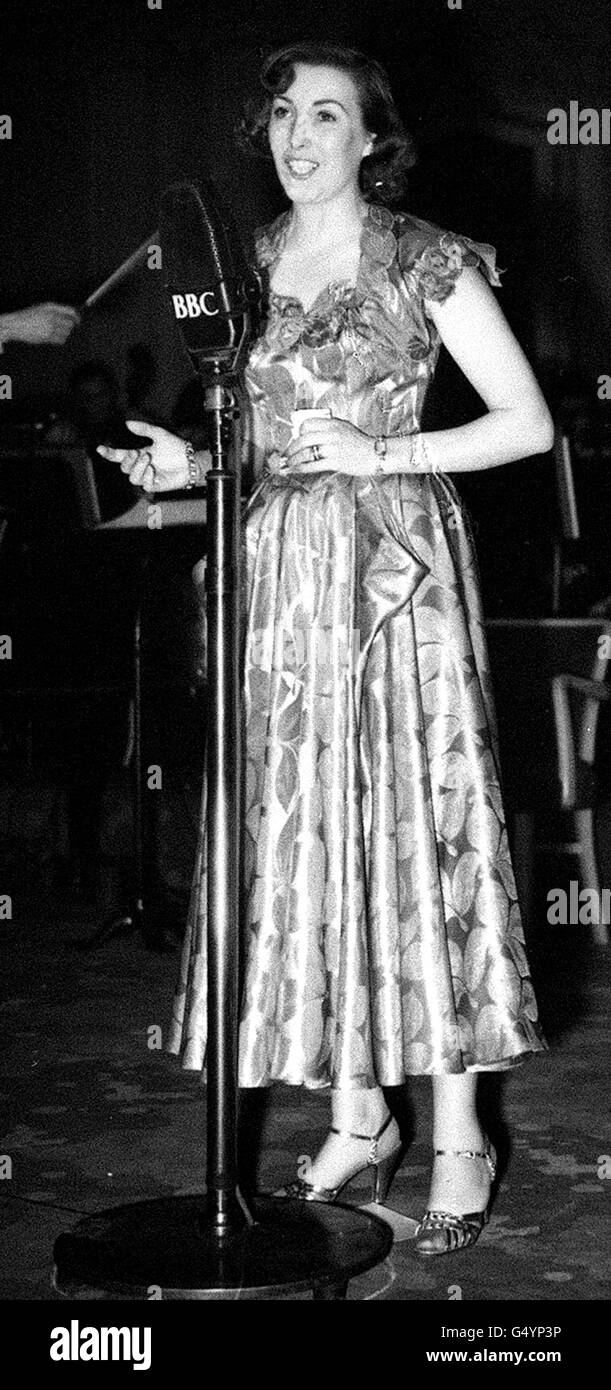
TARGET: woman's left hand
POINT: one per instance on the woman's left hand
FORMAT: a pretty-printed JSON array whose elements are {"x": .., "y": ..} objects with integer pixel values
[{"x": 330, "y": 445}]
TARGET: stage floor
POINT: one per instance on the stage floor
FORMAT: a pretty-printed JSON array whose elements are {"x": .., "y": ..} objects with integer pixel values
[{"x": 94, "y": 1116}]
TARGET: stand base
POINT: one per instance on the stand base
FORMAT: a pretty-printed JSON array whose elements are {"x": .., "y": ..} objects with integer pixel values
[{"x": 168, "y": 1249}]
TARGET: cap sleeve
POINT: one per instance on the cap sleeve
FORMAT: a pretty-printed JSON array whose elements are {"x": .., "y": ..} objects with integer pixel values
[{"x": 432, "y": 259}]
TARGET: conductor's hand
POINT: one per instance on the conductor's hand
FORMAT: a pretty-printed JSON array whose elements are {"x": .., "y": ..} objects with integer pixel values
[
  {"x": 161, "y": 467},
  {"x": 40, "y": 323}
]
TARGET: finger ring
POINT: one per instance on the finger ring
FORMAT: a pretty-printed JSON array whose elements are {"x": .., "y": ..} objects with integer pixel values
[{"x": 316, "y": 454}]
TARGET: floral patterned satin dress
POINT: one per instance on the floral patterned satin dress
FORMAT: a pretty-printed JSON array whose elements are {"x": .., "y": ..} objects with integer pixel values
[{"x": 381, "y": 932}]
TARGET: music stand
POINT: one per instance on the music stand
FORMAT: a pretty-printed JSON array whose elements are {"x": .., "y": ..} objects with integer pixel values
[{"x": 169, "y": 512}]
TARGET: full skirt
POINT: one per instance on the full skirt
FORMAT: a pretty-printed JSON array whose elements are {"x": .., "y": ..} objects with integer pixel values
[{"x": 381, "y": 934}]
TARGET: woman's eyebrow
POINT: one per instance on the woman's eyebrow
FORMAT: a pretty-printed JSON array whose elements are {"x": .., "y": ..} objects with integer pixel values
[{"x": 322, "y": 101}]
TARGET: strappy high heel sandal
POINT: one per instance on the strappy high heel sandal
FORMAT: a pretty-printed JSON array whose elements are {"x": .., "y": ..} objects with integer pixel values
[
  {"x": 441, "y": 1232},
  {"x": 382, "y": 1168}
]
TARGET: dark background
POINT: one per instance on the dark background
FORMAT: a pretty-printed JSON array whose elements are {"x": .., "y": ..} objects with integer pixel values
[{"x": 111, "y": 101}]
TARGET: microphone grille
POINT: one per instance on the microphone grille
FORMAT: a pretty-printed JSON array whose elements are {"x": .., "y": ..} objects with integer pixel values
[{"x": 193, "y": 230}]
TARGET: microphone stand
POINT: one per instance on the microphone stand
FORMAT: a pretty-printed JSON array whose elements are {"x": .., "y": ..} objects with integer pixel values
[
  {"x": 194, "y": 1247},
  {"x": 223, "y": 764}
]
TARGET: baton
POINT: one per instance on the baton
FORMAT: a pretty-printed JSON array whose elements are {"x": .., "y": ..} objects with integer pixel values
[{"x": 120, "y": 274}]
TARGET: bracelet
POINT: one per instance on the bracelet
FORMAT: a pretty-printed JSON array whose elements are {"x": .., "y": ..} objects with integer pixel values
[
  {"x": 419, "y": 458},
  {"x": 194, "y": 473},
  {"x": 380, "y": 446}
]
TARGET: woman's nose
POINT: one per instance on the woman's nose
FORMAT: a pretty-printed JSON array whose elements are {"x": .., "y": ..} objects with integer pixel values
[{"x": 299, "y": 135}]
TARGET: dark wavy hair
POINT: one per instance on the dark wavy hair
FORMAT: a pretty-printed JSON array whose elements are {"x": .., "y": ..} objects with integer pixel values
[{"x": 383, "y": 173}]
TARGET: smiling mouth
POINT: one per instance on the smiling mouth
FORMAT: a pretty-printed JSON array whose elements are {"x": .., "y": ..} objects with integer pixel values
[{"x": 301, "y": 168}]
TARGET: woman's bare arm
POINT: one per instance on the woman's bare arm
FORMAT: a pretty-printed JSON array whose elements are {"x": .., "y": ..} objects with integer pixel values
[
  {"x": 518, "y": 423},
  {"x": 476, "y": 334}
]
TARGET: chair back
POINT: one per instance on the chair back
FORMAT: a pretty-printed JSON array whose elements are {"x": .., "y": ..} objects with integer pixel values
[{"x": 545, "y": 735}]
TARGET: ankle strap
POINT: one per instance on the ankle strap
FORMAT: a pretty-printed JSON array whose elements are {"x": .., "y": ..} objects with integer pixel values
[
  {"x": 372, "y": 1138},
  {"x": 464, "y": 1153},
  {"x": 487, "y": 1154}
]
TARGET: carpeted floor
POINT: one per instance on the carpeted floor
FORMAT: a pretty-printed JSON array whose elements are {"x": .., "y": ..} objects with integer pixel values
[{"x": 93, "y": 1115}]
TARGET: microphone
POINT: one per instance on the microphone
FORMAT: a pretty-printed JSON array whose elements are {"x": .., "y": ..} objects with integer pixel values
[{"x": 214, "y": 292}]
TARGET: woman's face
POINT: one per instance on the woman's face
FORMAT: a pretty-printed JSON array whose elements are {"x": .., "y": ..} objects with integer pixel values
[{"x": 316, "y": 134}]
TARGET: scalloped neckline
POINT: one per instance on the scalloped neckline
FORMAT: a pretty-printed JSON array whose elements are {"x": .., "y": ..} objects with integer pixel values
[{"x": 327, "y": 291}]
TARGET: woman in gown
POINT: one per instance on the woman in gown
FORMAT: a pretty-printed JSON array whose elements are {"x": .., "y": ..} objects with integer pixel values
[{"x": 381, "y": 932}]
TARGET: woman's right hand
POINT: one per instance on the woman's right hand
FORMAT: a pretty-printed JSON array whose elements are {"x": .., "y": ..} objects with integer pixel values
[{"x": 161, "y": 467}]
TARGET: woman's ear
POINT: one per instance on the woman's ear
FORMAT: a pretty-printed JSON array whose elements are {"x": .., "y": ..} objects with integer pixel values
[{"x": 369, "y": 146}]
